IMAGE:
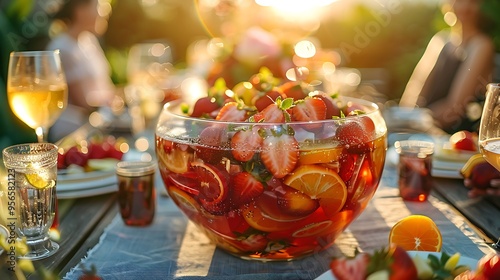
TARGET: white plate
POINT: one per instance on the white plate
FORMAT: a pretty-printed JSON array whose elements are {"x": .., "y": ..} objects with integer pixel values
[
  {"x": 443, "y": 173},
  {"x": 85, "y": 188},
  {"x": 471, "y": 263},
  {"x": 87, "y": 192},
  {"x": 86, "y": 184},
  {"x": 440, "y": 168},
  {"x": 83, "y": 176},
  {"x": 452, "y": 155}
]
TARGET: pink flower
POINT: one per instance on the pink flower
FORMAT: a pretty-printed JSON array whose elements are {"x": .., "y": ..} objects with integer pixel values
[{"x": 255, "y": 46}]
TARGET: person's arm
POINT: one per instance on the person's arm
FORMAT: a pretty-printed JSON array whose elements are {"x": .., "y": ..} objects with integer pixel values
[
  {"x": 78, "y": 90},
  {"x": 422, "y": 70},
  {"x": 474, "y": 72}
]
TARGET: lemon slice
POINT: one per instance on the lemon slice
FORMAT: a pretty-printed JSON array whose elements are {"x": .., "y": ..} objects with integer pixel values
[{"x": 38, "y": 181}]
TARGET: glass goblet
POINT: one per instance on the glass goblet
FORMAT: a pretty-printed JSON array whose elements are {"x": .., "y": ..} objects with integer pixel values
[
  {"x": 36, "y": 89},
  {"x": 32, "y": 172},
  {"x": 489, "y": 130}
]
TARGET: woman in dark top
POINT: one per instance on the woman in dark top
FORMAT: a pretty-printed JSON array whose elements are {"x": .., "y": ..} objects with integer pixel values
[{"x": 453, "y": 72}]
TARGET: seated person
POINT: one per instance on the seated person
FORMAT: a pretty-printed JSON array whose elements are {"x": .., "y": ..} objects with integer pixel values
[
  {"x": 454, "y": 70},
  {"x": 86, "y": 68}
]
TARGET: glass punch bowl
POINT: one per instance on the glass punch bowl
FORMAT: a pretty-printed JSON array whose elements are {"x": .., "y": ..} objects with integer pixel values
[{"x": 288, "y": 191}]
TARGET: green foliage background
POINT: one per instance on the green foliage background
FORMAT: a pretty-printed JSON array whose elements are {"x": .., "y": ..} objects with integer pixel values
[{"x": 12, "y": 17}]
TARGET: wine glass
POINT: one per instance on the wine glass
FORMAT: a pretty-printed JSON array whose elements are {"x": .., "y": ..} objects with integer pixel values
[
  {"x": 149, "y": 68},
  {"x": 489, "y": 131},
  {"x": 37, "y": 89}
]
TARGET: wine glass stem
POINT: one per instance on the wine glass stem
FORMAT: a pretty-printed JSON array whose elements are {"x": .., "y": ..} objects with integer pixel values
[{"x": 40, "y": 134}]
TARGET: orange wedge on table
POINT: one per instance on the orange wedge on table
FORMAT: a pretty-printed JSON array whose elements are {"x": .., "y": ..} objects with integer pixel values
[
  {"x": 321, "y": 183},
  {"x": 416, "y": 233}
]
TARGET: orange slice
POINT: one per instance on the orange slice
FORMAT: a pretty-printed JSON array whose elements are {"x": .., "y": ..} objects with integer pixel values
[
  {"x": 184, "y": 201},
  {"x": 176, "y": 160},
  {"x": 320, "y": 155},
  {"x": 320, "y": 183},
  {"x": 255, "y": 218},
  {"x": 312, "y": 229},
  {"x": 416, "y": 233}
]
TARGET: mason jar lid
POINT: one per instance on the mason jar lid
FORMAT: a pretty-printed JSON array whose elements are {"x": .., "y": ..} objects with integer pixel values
[
  {"x": 135, "y": 168},
  {"x": 415, "y": 148}
]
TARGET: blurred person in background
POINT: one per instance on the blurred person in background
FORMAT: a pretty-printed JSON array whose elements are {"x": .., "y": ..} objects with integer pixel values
[
  {"x": 451, "y": 77},
  {"x": 86, "y": 68}
]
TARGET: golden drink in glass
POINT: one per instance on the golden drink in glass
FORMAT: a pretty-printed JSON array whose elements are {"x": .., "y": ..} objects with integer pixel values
[
  {"x": 489, "y": 130},
  {"x": 39, "y": 108},
  {"x": 37, "y": 89}
]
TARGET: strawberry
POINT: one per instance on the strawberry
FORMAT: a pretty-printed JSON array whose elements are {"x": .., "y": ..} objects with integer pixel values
[
  {"x": 244, "y": 188},
  {"x": 271, "y": 113},
  {"x": 232, "y": 112},
  {"x": 356, "y": 135},
  {"x": 332, "y": 107},
  {"x": 489, "y": 266},
  {"x": 309, "y": 109},
  {"x": 280, "y": 154},
  {"x": 402, "y": 266},
  {"x": 245, "y": 143},
  {"x": 395, "y": 260},
  {"x": 75, "y": 156},
  {"x": 351, "y": 108},
  {"x": 351, "y": 133},
  {"x": 347, "y": 165},
  {"x": 464, "y": 140},
  {"x": 369, "y": 126},
  {"x": 89, "y": 274},
  {"x": 293, "y": 89},
  {"x": 267, "y": 99},
  {"x": 204, "y": 106},
  {"x": 98, "y": 151},
  {"x": 212, "y": 139},
  {"x": 236, "y": 221},
  {"x": 61, "y": 161},
  {"x": 253, "y": 243},
  {"x": 275, "y": 112},
  {"x": 350, "y": 268}
]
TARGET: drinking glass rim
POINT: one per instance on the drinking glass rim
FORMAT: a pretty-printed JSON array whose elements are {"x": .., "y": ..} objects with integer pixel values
[
  {"x": 50, "y": 151},
  {"x": 34, "y": 53}
]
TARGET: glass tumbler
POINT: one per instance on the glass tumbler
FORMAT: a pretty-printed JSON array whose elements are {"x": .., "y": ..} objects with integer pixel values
[
  {"x": 32, "y": 173},
  {"x": 136, "y": 192},
  {"x": 415, "y": 166}
]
